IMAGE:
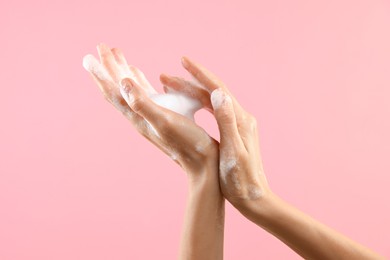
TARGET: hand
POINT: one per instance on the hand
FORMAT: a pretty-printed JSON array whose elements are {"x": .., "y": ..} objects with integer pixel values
[
  {"x": 244, "y": 184},
  {"x": 241, "y": 171},
  {"x": 176, "y": 135}
]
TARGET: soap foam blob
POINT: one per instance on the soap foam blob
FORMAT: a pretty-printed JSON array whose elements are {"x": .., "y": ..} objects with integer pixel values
[{"x": 177, "y": 102}]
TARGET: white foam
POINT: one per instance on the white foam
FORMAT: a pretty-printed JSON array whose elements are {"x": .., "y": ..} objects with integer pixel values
[
  {"x": 226, "y": 168},
  {"x": 177, "y": 102},
  {"x": 217, "y": 98},
  {"x": 91, "y": 64},
  {"x": 254, "y": 192},
  {"x": 201, "y": 146},
  {"x": 173, "y": 100}
]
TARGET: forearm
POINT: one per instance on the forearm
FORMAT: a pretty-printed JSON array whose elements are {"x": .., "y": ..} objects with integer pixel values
[
  {"x": 202, "y": 236},
  {"x": 306, "y": 236}
]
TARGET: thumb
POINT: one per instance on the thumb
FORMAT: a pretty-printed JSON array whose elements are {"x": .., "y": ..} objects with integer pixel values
[
  {"x": 225, "y": 116},
  {"x": 140, "y": 103}
]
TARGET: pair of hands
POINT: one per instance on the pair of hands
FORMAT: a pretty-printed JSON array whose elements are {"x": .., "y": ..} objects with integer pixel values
[
  {"x": 233, "y": 166},
  {"x": 241, "y": 173}
]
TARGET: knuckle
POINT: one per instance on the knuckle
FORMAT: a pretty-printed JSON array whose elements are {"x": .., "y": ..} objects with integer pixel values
[
  {"x": 241, "y": 156},
  {"x": 168, "y": 120},
  {"x": 227, "y": 166},
  {"x": 166, "y": 124},
  {"x": 137, "y": 104},
  {"x": 252, "y": 121}
]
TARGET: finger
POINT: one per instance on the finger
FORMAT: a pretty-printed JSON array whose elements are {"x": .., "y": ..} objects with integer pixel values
[
  {"x": 91, "y": 64},
  {"x": 111, "y": 93},
  {"x": 119, "y": 56},
  {"x": 211, "y": 82},
  {"x": 226, "y": 119},
  {"x": 106, "y": 84},
  {"x": 141, "y": 104},
  {"x": 142, "y": 80},
  {"x": 188, "y": 88},
  {"x": 100, "y": 75},
  {"x": 161, "y": 122},
  {"x": 108, "y": 61},
  {"x": 124, "y": 70}
]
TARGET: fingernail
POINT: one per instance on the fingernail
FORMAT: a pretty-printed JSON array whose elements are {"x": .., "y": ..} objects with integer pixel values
[
  {"x": 126, "y": 84},
  {"x": 101, "y": 46},
  {"x": 184, "y": 62},
  {"x": 126, "y": 94}
]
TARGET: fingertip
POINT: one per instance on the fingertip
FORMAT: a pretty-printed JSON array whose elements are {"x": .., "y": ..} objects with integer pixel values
[
  {"x": 163, "y": 77},
  {"x": 168, "y": 79},
  {"x": 225, "y": 116},
  {"x": 166, "y": 89},
  {"x": 129, "y": 91},
  {"x": 218, "y": 98},
  {"x": 100, "y": 47},
  {"x": 127, "y": 82},
  {"x": 88, "y": 60},
  {"x": 123, "y": 82},
  {"x": 116, "y": 51},
  {"x": 185, "y": 61}
]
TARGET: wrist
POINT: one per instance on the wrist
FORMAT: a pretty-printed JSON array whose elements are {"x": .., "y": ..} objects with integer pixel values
[
  {"x": 260, "y": 210},
  {"x": 205, "y": 175},
  {"x": 204, "y": 171}
]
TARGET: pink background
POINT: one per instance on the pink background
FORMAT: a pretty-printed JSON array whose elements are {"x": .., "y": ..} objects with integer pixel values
[{"x": 78, "y": 182}]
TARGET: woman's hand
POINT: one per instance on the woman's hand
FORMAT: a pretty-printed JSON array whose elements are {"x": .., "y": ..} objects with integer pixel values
[
  {"x": 244, "y": 184},
  {"x": 128, "y": 90},
  {"x": 179, "y": 137},
  {"x": 241, "y": 171}
]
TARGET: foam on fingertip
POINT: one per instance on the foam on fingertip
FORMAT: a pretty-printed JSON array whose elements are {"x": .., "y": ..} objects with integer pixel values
[
  {"x": 91, "y": 64},
  {"x": 217, "y": 98}
]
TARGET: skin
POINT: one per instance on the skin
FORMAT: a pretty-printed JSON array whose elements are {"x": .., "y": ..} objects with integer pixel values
[
  {"x": 237, "y": 159},
  {"x": 244, "y": 184},
  {"x": 180, "y": 138}
]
